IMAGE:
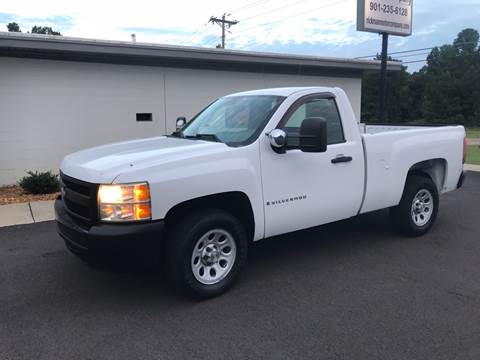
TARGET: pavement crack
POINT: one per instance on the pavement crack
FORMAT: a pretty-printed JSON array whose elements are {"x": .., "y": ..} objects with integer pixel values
[
  {"x": 54, "y": 254},
  {"x": 464, "y": 296},
  {"x": 31, "y": 212}
]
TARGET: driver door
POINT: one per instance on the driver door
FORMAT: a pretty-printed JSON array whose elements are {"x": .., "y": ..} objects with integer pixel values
[{"x": 302, "y": 189}]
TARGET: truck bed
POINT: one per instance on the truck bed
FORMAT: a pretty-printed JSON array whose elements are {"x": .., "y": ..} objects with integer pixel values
[
  {"x": 380, "y": 128},
  {"x": 390, "y": 151}
]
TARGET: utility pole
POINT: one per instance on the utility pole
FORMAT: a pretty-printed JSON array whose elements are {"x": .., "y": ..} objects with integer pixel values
[{"x": 223, "y": 23}]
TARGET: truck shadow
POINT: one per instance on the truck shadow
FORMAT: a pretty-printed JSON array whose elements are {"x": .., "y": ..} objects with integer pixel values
[
  {"x": 326, "y": 241},
  {"x": 364, "y": 230}
]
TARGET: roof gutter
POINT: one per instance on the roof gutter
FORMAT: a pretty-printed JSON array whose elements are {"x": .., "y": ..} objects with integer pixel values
[{"x": 89, "y": 50}]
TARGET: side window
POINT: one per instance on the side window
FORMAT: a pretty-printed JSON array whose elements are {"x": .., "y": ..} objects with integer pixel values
[{"x": 324, "y": 108}]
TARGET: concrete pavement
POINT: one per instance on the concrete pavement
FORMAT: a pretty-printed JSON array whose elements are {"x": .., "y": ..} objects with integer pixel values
[
  {"x": 26, "y": 213},
  {"x": 471, "y": 167},
  {"x": 42, "y": 210}
]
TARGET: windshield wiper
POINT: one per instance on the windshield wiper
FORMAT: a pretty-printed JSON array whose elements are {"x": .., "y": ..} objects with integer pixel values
[
  {"x": 175, "y": 134},
  {"x": 207, "y": 137}
]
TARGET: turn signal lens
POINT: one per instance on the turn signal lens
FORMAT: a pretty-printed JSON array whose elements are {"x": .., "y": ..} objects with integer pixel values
[
  {"x": 142, "y": 211},
  {"x": 129, "y": 202},
  {"x": 141, "y": 192}
]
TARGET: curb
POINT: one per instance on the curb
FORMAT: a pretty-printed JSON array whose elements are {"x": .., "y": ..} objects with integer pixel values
[
  {"x": 26, "y": 213},
  {"x": 471, "y": 167}
]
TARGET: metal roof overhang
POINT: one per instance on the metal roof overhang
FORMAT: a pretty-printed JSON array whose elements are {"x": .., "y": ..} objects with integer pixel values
[{"x": 128, "y": 53}]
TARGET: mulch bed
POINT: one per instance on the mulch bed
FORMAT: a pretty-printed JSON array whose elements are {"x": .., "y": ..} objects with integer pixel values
[{"x": 14, "y": 194}]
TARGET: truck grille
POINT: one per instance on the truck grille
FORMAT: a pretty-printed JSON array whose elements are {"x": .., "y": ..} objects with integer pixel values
[{"x": 80, "y": 198}]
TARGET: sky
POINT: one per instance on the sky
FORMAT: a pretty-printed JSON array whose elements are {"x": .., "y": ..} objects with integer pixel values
[{"x": 313, "y": 27}]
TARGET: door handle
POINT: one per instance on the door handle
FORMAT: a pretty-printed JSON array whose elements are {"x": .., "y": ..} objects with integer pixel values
[{"x": 341, "y": 159}]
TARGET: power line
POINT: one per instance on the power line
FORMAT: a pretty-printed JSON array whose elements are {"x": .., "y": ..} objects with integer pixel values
[
  {"x": 291, "y": 16},
  {"x": 249, "y": 6},
  {"x": 415, "y": 61},
  {"x": 410, "y": 55},
  {"x": 273, "y": 10},
  {"x": 203, "y": 28},
  {"x": 414, "y": 50},
  {"x": 397, "y": 52},
  {"x": 428, "y": 53}
]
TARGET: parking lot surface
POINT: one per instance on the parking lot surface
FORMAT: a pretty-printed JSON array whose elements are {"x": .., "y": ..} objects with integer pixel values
[{"x": 349, "y": 290}]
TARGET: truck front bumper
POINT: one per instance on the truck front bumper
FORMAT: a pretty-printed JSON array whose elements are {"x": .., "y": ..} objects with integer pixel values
[{"x": 82, "y": 240}]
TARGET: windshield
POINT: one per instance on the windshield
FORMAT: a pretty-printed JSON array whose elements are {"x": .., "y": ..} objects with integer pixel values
[{"x": 234, "y": 120}]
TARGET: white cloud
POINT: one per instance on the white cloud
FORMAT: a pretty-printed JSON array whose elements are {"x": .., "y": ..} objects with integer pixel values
[
  {"x": 109, "y": 19},
  {"x": 322, "y": 27}
]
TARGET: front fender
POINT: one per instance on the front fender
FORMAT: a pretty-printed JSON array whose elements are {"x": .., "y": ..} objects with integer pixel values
[{"x": 229, "y": 170}]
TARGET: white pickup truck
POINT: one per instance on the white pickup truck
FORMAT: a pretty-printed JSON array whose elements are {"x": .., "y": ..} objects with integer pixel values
[{"x": 249, "y": 166}]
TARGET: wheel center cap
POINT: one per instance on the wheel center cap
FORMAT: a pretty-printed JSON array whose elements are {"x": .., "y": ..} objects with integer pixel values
[
  {"x": 210, "y": 255},
  {"x": 418, "y": 207}
]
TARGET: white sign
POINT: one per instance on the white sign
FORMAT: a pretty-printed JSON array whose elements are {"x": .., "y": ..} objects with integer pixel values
[{"x": 385, "y": 16}]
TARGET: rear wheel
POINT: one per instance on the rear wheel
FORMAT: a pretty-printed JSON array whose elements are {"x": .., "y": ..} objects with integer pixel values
[
  {"x": 206, "y": 251},
  {"x": 417, "y": 210}
]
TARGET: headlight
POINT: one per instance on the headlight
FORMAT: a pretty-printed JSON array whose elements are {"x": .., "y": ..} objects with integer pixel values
[{"x": 129, "y": 202}]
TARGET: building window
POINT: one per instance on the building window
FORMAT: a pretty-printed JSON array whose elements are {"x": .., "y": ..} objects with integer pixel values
[{"x": 144, "y": 116}]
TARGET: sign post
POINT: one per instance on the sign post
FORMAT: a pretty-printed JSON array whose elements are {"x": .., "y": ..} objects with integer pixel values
[
  {"x": 384, "y": 17},
  {"x": 383, "y": 77}
]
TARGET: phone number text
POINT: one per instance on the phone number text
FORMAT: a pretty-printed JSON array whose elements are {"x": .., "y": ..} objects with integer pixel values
[{"x": 388, "y": 9}]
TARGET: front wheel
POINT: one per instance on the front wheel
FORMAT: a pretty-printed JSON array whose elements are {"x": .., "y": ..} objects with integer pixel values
[
  {"x": 206, "y": 252},
  {"x": 417, "y": 210}
]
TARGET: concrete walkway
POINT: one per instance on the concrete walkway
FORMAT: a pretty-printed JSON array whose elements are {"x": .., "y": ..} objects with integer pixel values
[
  {"x": 470, "y": 167},
  {"x": 26, "y": 213}
]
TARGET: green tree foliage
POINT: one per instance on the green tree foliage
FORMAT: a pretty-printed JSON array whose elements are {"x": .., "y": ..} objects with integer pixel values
[
  {"x": 445, "y": 90},
  {"x": 44, "y": 30},
  {"x": 13, "y": 27},
  {"x": 399, "y": 99}
]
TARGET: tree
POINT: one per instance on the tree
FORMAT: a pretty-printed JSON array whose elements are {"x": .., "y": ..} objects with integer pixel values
[
  {"x": 398, "y": 99},
  {"x": 13, "y": 27},
  {"x": 44, "y": 30},
  {"x": 416, "y": 86},
  {"x": 466, "y": 41},
  {"x": 445, "y": 90},
  {"x": 451, "y": 81}
]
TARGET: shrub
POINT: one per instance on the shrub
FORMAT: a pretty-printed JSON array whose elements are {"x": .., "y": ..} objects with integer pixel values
[{"x": 40, "y": 182}]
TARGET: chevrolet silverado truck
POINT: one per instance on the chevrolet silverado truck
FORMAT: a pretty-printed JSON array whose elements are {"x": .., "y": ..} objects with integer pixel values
[{"x": 249, "y": 166}]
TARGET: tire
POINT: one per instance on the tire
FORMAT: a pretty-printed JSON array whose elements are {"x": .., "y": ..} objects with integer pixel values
[
  {"x": 417, "y": 210},
  {"x": 206, "y": 239}
]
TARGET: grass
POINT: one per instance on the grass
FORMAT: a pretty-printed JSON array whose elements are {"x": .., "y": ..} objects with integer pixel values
[
  {"x": 473, "y": 154},
  {"x": 473, "y": 133}
]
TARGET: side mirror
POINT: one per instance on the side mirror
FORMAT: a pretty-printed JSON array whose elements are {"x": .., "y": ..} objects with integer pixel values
[
  {"x": 278, "y": 140},
  {"x": 181, "y": 121},
  {"x": 313, "y": 135}
]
